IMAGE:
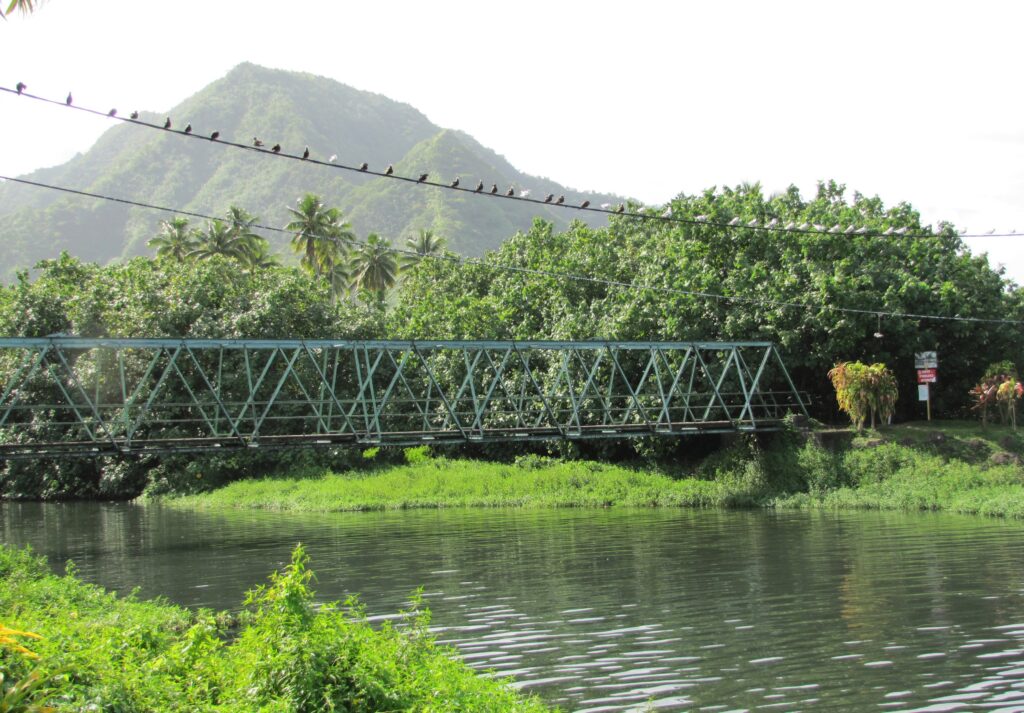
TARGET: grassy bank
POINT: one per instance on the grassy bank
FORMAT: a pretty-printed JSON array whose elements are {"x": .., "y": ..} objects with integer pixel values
[
  {"x": 954, "y": 466},
  {"x": 98, "y": 651}
]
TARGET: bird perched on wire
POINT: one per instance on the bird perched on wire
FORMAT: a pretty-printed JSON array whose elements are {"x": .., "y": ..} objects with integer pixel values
[
  {"x": 550, "y": 197},
  {"x": 135, "y": 115},
  {"x": 455, "y": 183},
  {"x": 276, "y": 148},
  {"x": 305, "y": 153},
  {"x": 68, "y": 100},
  {"x": 364, "y": 166},
  {"x": 494, "y": 188},
  {"x": 333, "y": 158},
  {"x": 112, "y": 112},
  {"x": 423, "y": 177},
  {"x": 256, "y": 142},
  {"x": 606, "y": 206},
  {"x": 21, "y": 86},
  {"x": 389, "y": 170},
  {"x": 585, "y": 204},
  {"x": 511, "y": 191},
  {"x": 525, "y": 193},
  {"x": 621, "y": 208},
  {"x": 214, "y": 136},
  {"x": 167, "y": 123},
  {"x": 479, "y": 186},
  {"x": 560, "y": 201},
  {"x": 188, "y": 128}
]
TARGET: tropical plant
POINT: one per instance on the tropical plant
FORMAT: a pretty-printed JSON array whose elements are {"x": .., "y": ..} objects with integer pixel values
[
  {"x": 321, "y": 236},
  {"x": 374, "y": 266},
  {"x": 998, "y": 388},
  {"x": 1008, "y": 394},
  {"x": 864, "y": 391},
  {"x": 219, "y": 238},
  {"x": 175, "y": 241},
  {"x": 424, "y": 244},
  {"x": 25, "y": 6},
  {"x": 29, "y": 693}
]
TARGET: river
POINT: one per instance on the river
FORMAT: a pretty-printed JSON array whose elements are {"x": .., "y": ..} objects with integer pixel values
[{"x": 606, "y": 610}]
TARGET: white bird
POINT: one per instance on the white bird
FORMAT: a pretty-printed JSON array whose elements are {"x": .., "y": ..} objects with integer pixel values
[
  {"x": 524, "y": 193},
  {"x": 888, "y": 231},
  {"x": 836, "y": 228},
  {"x": 901, "y": 231},
  {"x": 989, "y": 232},
  {"x": 701, "y": 218},
  {"x": 752, "y": 223},
  {"x": 735, "y": 221},
  {"x": 861, "y": 231},
  {"x": 819, "y": 227},
  {"x": 667, "y": 213},
  {"x": 963, "y": 230},
  {"x": 803, "y": 226},
  {"x": 606, "y": 206},
  {"x": 333, "y": 158},
  {"x": 772, "y": 223},
  {"x": 850, "y": 229},
  {"x": 789, "y": 226}
]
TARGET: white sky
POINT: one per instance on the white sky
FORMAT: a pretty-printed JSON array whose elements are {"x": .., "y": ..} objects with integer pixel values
[{"x": 912, "y": 101}]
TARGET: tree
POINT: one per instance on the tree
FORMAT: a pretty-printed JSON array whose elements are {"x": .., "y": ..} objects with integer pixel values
[
  {"x": 175, "y": 240},
  {"x": 25, "y": 6},
  {"x": 424, "y": 244},
  {"x": 255, "y": 248},
  {"x": 374, "y": 266},
  {"x": 864, "y": 390},
  {"x": 219, "y": 238},
  {"x": 321, "y": 236}
]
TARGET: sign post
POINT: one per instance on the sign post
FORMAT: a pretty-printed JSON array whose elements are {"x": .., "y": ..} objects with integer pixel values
[{"x": 927, "y": 365}]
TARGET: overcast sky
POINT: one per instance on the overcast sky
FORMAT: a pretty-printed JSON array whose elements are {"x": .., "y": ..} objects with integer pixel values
[{"x": 912, "y": 101}]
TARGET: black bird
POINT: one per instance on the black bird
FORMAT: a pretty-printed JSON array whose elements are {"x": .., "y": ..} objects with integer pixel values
[
  {"x": 423, "y": 177},
  {"x": 390, "y": 169},
  {"x": 68, "y": 100},
  {"x": 560, "y": 201},
  {"x": 167, "y": 124},
  {"x": 305, "y": 153},
  {"x": 276, "y": 148},
  {"x": 364, "y": 165},
  {"x": 188, "y": 128},
  {"x": 550, "y": 197},
  {"x": 214, "y": 136},
  {"x": 585, "y": 204},
  {"x": 135, "y": 115},
  {"x": 455, "y": 183},
  {"x": 21, "y": 86},
  {"x": 511, "y": 191},
  {"x": 112, "y": 112},
  {"x": 479, "y": 186},
  {"x": 494, "y": 188},
  {"x": 256, "y": 142},
  {"x": 620, "y": 209}
]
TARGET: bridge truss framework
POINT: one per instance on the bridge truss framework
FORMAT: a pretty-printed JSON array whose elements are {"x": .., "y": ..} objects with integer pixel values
[{"x": 64, "y": 396}]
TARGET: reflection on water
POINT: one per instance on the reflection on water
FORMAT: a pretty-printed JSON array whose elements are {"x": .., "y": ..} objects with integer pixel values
[{"x": 619, "y": 609}]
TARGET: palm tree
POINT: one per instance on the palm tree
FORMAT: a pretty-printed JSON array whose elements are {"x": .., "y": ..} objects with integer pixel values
[
  {"x": 425, "y": 244},
  {"x": 255, "y": 245},
  {"x": 175, "y": 240},
  {"x": 257, "y": 255},
  {"x": 374, "y": 267},
  {"x": 320, "y": 235},
  {"x": 25, "y": 6},
  {"x": 219, "y": 239}
]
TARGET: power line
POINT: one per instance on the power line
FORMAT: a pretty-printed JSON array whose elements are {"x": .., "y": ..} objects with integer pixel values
[
  {"x": 773, "y": 225},
  {"x": 461, "y": 260}
]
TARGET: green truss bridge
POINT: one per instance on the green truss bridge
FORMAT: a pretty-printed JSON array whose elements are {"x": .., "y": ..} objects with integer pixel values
[{"x": 63, "y": 396}]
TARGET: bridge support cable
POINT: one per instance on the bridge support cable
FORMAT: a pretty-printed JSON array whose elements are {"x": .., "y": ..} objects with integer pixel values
[{"x": 63, "y": 396}]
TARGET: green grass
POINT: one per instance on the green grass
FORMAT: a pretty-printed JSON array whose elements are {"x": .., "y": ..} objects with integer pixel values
[
  {"x": 286, "y": 652},
  {"x": 955, "y": 466}
]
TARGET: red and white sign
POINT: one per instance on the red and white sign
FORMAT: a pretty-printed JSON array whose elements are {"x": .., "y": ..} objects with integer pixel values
[{"x": 927, "y": 376}]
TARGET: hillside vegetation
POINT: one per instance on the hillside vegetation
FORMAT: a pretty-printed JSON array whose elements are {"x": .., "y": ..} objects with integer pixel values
[{"x": 297, "y": 110}]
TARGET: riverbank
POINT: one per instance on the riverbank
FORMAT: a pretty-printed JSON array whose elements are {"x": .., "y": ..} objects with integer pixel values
[
  {"x": 286, "y": 651},
  {"x": 953, "y": 466}
]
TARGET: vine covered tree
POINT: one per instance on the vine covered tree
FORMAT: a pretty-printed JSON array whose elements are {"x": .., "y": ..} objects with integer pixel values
[{"x": 864, "y": 391}]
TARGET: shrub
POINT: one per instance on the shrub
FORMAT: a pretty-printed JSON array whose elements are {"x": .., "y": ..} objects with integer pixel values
[{"x": 864, "y": 391}]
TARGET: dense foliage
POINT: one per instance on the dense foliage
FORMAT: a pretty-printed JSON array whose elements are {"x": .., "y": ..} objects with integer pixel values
[
  {"x": 784, "y": 287},
  {"x": 864, "y": 391},
  {"x": 286, "y": 652}
]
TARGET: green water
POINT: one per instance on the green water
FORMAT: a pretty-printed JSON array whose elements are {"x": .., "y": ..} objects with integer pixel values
[{"x": 614, "y": 609}]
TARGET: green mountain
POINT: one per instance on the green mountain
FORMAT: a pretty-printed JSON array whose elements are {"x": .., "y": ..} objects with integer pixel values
[{"x": 296, "y": 110}]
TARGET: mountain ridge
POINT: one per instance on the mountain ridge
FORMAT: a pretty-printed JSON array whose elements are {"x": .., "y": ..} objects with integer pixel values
[{"x": 296, "y": 109}]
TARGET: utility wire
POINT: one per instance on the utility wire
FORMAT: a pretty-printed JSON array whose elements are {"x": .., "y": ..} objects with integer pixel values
[
  {"x": 494, "y": 192},
  {"x": 461, "y": 260}
]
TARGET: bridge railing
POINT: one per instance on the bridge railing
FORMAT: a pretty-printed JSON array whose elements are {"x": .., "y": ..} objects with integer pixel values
[{"x": 65, "y": 395}]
